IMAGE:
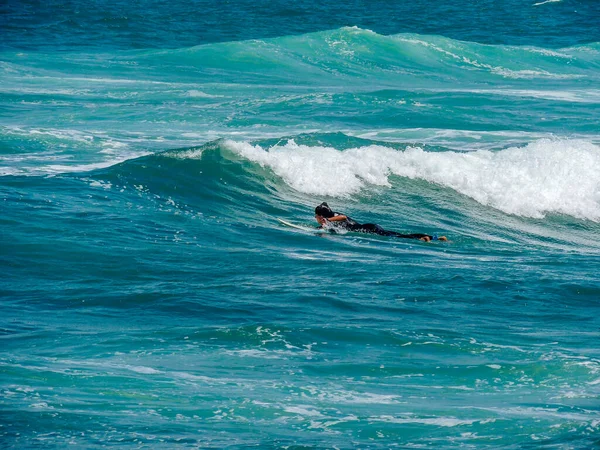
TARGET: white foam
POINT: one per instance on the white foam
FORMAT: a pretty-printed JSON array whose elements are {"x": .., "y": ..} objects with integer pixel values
[
  {"x": 302, "y": 411},
  {"x": 546, "y": 176},
  {"x": 502, "y": 71},
  {"x": 41, "y": 405},
  {"x": 531, "y": 74},
  {"x": 62, "y": 135},
  {"x": 537, "y": 413},
  {"x": 10, "y": 171},
  {"x": 362, "y": 398},
  {"x": 60, "y": 168},
  {"x": 321, "y": 170},
  {"x": 267, "y": 354},
  {"x": 547, "y": 52},
  {"x": 101, "y": 184},
  {"x": 546, "y": 1},
  {"x": 113, "y": 147},
  {"x": 142, "y": 369},
  {"x": 435, "y": 421},
  {"x": 200, "y": 94},
  {"x": 574, "y": 96}
]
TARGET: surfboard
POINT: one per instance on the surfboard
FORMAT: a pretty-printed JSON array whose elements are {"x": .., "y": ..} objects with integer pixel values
[{"x": 301, "y": 227}]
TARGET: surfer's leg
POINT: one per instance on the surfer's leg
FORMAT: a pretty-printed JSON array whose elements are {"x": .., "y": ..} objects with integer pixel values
[
  {"x": 426, "y": 237},
  {"x": 371, "y": 228},
  {"x": 377, "y": 229},
  {"x": 420, "y": 236}
]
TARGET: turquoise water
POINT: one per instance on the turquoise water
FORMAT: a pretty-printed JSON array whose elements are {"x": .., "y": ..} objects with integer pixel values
[{"x": 150, "y": 298}]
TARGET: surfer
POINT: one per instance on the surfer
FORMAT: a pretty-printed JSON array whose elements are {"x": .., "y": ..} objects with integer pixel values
[{"x": 325, "y": 216}]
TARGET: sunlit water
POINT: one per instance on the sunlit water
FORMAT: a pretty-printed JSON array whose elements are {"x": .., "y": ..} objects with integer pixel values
[{"x": 150, "y": 298}]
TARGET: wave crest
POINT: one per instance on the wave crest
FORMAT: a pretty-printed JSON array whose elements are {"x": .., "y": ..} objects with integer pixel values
[{"x": 559, "y": 176}]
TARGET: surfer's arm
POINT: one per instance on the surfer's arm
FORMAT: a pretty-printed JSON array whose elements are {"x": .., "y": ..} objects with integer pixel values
[{"x": 337, "y": 218}]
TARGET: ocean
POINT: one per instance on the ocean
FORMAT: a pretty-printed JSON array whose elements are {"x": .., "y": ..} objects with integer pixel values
[{"x": 149, "y": 297}]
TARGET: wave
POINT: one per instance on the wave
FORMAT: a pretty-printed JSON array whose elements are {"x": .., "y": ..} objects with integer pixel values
[
  {"x": 547, "y": 176},
  {"x": 344, "y": 53},
  {"x": 406, "y": 87},
  {"x": 351, "y": 52},
  {"x": 86, "y": 109}
]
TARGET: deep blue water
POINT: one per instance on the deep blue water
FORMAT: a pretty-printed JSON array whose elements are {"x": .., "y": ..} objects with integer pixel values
[
  {"x": 66, "y": 25},
  {"x": 149, "y": 297}
]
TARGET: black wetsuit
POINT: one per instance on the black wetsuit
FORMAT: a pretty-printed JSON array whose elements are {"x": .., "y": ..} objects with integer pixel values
[{"x": 352, "y": 225}]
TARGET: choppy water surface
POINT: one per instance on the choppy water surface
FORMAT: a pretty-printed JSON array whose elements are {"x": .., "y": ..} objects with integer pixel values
[{"x": 150, "y": 298}]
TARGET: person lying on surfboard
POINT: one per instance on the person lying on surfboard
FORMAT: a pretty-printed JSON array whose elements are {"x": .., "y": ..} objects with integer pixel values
[{"x": 325, "y": 216}]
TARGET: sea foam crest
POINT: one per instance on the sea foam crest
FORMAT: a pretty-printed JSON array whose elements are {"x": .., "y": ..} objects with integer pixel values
[{"x": 546, "y": 176}]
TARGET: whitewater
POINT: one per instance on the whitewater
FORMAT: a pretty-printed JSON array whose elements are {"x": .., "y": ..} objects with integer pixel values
[{"x": 150, "y": 298}]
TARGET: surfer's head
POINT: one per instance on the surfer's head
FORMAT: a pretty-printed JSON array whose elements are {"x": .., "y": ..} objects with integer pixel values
[{"x": 324, "y": 210}]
